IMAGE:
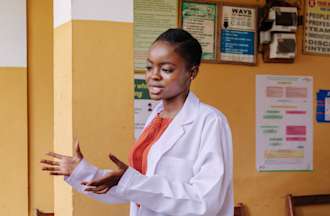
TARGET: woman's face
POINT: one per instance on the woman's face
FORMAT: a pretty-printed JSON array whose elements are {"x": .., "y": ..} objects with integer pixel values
[{"x": 166, "y": 73}]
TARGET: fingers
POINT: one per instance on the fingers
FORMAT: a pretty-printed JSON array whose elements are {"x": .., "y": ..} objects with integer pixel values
[
  {"x": 56, "y": 168},
  {"x": 99, "y": 190},
  {"x": 55, "y": 171},
  {"x": 103, "y": 191},
  {"x": 49, "y": 162},
  {"x": 119, "y": 163},
  {"x": 77, "y": 149},
  {"x": 59, "y": 173},
  {"x": 51, "y": 168},
  {"x": 110, "y": 179},
  {"x": 96, "y": 183},
  {"x": 55, "y": 155}
]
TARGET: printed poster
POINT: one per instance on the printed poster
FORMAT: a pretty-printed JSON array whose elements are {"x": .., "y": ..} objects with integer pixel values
[
  {"x": 238, "y": 32},
  {"x": 323, "y": 106},
  {"x": 317, "y": 27},
  {"x": 199, "y": 19},
  {"x": 284, "y": 126},
  {"x": 151, "y": 18},
  {"x": 143, "y": 105}
]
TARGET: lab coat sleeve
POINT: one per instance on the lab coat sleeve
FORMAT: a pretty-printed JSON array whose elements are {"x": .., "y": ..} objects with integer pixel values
[
  {"x": 87, "y": 172},
  {"x": 204, "y": 194}
]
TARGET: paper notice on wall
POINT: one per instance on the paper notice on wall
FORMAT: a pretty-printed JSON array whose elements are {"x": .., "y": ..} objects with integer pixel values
[
  {"x": 323, "y": 106},
  {"x": 151, "y": 18},
  {"x": 238, "y": 34},
  {"x": 327, "y": 109},
  {"x": 284, "y": 126},
  {"x": 199, "y": 19},
  {"x": 317, "y": 27},
  {"x": 143, "y": 105}
]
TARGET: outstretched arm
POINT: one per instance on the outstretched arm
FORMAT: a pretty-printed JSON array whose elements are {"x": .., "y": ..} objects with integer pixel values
[
  {"x": 63, "y": 165},
  {"x": 75, "y": 170}
]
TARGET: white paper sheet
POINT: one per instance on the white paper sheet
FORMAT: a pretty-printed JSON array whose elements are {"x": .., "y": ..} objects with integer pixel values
[
  {"x": 284, "y": 126},
  {"x": 143, "y": 105}
]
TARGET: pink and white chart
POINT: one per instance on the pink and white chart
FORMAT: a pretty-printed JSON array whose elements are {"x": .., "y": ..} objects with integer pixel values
[{"x": 284, "y": 123}]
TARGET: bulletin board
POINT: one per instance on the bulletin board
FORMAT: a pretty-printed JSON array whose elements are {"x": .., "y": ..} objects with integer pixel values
[
  {"x": 226, "y": 31},
  {"x": 200, "y": 18},
  {"x": 238, "y": 35}
]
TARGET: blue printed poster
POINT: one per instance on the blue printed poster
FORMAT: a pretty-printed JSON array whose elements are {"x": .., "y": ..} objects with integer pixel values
[
  {"x": 237, "y": 42},
  {"x": 323, "y": 106},
  {"x": 238, "y": 29}
]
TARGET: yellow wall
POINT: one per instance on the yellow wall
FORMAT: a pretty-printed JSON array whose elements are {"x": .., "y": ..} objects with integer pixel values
[
  {"x": 93, "y": 86},
  {"x": 99, "y": 56},
  {"x": 63, "y": 131},
  {"x": 40, "y": 101},
  {"x": 102, "y": 87},
  {"x": 102, "y": 99},
  {"x": 231, "y": 88},
  {"x": 13, "y": 142}
]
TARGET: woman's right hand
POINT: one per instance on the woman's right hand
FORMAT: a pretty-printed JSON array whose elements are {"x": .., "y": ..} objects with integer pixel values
[{"x": 63, "y": 165}]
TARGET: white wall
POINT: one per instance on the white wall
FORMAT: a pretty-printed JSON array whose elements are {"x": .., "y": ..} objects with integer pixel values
[
  {"x": 62, "y": 12},
  {"x": 13, "y": 33},
  {"x": 107, "y": 10}
]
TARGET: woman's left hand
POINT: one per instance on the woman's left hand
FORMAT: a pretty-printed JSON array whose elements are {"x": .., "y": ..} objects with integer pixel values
[{"x": 104, "y": 184}]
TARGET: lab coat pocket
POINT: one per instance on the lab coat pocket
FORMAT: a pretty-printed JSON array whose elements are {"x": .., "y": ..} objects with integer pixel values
[{"x": 174, "y": 168}]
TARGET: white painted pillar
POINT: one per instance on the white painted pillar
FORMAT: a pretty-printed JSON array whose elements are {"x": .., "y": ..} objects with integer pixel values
[{"x": 93, "y": 46}]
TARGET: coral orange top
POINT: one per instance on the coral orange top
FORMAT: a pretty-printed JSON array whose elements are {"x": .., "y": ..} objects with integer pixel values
[{"x": 139, "y": 152}]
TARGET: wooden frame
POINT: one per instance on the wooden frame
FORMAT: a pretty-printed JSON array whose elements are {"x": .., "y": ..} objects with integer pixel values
[
  {"x": 293, "y": 201},
  {"x": 221, "y": 6},
  {"x": 217, "y": 28},
  {"x": 216, "y": 33},
  {"x": 40, "y": 213},
  {"x": 239, "y": 209}
]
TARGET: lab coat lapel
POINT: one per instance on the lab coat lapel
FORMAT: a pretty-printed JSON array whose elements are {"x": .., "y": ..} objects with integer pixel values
[{"x": 174, "y": 132}]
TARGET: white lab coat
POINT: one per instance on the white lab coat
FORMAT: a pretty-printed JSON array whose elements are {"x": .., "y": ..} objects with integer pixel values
[{"x": 189, "y": 170}]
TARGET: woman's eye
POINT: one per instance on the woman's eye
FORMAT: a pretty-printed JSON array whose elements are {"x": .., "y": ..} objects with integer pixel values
[
  {"x": 148, "y": 68},
  {"x": 165, "y": 70}
]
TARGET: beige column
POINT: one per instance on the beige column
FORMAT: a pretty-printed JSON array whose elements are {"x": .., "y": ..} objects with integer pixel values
[
  {"x": 40, "y": 102},
  {"x": 93, "y": 90}
]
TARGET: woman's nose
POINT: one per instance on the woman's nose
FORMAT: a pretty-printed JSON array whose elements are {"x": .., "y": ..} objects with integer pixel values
[{"x": 155, "y": 74}]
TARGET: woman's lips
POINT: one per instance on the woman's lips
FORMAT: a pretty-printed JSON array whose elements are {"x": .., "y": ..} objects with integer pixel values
[{"x": 155, "y": 89}]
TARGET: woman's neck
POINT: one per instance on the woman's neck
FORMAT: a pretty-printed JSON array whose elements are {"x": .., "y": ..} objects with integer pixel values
[{"x": 172, "y": 106}]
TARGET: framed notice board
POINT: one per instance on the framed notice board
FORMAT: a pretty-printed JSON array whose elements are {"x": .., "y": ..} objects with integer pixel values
[
  {"x": 227, "y": 32},
  {"x": 238, "y": 34},
  {"x": 200, "y": 19},
  {"x": 317, "y": 27}
]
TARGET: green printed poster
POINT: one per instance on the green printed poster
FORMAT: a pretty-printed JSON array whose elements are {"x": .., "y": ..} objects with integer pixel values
[
  {"x": 143, "y": 105},
  {"x": 141, "y": 90},
  {"x": 200, "y": 20}
]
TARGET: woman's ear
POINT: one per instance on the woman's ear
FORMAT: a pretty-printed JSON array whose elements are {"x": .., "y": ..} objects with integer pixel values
[{"x": 194, "y": 72}]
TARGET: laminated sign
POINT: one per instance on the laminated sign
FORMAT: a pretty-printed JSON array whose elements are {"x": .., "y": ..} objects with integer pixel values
[{"x": 317, "y": 27}]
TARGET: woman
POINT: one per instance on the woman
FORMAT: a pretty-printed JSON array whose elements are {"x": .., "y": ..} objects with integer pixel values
[{"x": 182, "y": 163}]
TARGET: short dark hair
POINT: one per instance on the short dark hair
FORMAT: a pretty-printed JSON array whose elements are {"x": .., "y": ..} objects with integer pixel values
[{"x": 187, "y": 46}]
